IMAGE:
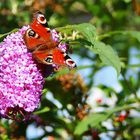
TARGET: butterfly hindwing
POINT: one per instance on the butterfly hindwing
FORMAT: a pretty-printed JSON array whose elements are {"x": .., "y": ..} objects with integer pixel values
[{"x": 54, "y": 56}]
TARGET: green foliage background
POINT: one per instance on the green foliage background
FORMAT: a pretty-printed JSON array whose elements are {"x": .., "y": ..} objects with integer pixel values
[{"x": 106, "y": 33}]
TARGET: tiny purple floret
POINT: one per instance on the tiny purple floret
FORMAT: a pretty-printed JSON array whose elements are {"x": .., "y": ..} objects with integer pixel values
[{"x": 55, "y": 36}]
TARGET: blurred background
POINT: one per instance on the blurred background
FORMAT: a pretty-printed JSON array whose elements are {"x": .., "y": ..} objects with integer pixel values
[{"x": 93, "y": 88}]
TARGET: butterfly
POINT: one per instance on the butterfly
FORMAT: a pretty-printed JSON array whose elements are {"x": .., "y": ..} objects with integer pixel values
[{"x": 38, "y": 39}]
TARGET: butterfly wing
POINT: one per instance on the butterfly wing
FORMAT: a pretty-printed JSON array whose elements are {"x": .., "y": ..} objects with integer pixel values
[
  {"x": 54, "y": 56},
  {"x": 60, "y": 57},
  {"x": 39, "y": 34},
  {"x": 32, "y": 39}
]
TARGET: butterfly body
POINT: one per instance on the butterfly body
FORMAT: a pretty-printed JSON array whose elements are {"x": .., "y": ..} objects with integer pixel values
[{"x": 38, "y": 39}]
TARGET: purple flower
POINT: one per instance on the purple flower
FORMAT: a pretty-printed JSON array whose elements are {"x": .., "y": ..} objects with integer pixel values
[
  {"x": 55, "y": 37},
  {"x": 21, "y": 80},
  {"x": 63, "y": 46}
]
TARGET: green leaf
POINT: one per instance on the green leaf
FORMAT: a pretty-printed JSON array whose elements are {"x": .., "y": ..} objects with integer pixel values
[
  {"x": 119, "y": 108},
  {"x": 135, "y": 122},
  {"x": 44, "y": 90},
  {"x": 46, "y": 109},
  {"x": 14, "y": 30},
  {"x": 87, "y": 30},
  {"x": 134, "y": 34},
  {"x": 57, "y": 74},
  {"x": 107, "y": 55},
  {"x": 4, "y": 137},
  {"x": 94, "y": 120}
]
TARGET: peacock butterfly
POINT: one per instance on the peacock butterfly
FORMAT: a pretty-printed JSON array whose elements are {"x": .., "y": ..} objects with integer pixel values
[{"x": 38, "y": 39}]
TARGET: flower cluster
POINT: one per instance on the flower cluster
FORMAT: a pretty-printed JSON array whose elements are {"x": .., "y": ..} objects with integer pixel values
[
  {"x": 55, "y": 37},
  {"x": 21, "y": 80}
]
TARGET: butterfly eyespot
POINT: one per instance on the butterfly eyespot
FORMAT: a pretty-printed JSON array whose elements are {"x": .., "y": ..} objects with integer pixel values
[
  {"x": 70, "y": 63},
  {"x": 32, "y": 33},
  {"x": 41, "y": 19},
  {"x": 49, "y": 60}
]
